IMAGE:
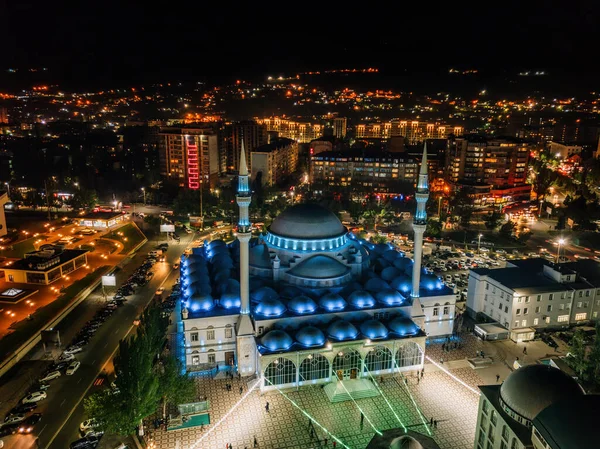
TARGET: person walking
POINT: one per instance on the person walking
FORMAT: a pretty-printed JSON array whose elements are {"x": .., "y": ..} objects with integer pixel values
[
  {"x": 255, "y": 441},
  {"x": 267, "y": 407},
  {"x": 434, "y": 425},
  {"x": 525, "y": 350},
  {"x": 362, "y": 418},
  {"x": 241, "y": 390},
  {"x": 431, "y": 421},
  {"x": 497, "y": 377}
]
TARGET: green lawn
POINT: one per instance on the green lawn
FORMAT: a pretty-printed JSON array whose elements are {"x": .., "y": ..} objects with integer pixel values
[
  {"x": 19, "y": 249},
  {"x": 129, "y": 235}
]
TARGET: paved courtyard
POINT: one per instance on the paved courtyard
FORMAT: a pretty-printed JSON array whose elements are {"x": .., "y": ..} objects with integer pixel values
[{"x": 437, "y": 395}]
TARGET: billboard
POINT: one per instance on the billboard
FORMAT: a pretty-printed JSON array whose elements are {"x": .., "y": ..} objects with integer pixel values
[
  {"x": 167, "y": 228},
  {"x": 549, "y": 210},
  {"x": 109, "y": 281}
]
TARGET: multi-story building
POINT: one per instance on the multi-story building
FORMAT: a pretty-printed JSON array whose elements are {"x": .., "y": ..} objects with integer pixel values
[
  {"x": 189, "y": 156},
  {"x": 374, "y": 171},
  {"x": 3, "y": 116},
  {"x": 536, "y": 293},
  {"x": 479, "y": 160},
  {"x": 564, "y": 150},
  {"x": 230, "y": 143},
  {"x": 274, "y": 160},
  {"x": 340, "y": 126},
  {"x": 298, "y": 131},
  {"x": 413, "y": 131}
]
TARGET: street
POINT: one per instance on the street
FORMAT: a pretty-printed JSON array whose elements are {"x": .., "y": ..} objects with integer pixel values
[{"x": 66, "y": 392}]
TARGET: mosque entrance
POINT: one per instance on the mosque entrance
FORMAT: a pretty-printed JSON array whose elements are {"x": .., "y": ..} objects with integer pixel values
[
  {"x": 229, "y": 358},
  {"x": 353, "y": 373}
]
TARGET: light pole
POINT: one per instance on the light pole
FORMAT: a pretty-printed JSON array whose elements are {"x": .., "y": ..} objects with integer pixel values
[
  {"x": 541, "y": 205},
  {"x": 479, "y": 242},
  {"x": 144, "y": 192},
  {"x": 440, "y": 206},
  {"x": 560, "y": 243},
  {"x": 8, "y": 188}
]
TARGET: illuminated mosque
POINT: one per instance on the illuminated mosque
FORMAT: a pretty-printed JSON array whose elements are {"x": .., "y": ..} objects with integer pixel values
[{"x": 309, "y": 303}]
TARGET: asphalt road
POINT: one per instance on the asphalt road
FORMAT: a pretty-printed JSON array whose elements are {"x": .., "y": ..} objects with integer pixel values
[{"x": 65, "y": 393}]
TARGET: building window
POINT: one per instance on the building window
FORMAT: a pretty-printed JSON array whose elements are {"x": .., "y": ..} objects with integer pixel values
[
  {"x": 518, "y": 311},
  {"x": 539, "y": 298},
  {"x": 536, "y": 321},
  {"x": 195, "y": 360},
  {"x": 547, "y": 320},
  {"x": 580, "y": 293},
  {"x": 505, "y": 432},
  {"x": 484, "y": 407},
  {"x": 561, "y": 307},
  {"x": 194, "y": 336},
  {"x": 586, "y": 304},
  {"x": 563, "y": 318},
  {"x": 494, "y": 417},
  {"x": 524, "y": 323},
  {"x": 436, "y": 311},
  {"x": 579, "y": 304},
  {"x": 212, "y": 358},
  {"x": 580, "y": 316},
  {"x": 568, "y": 277},
  {"x": 516, "y": 324},
  {"x": 446, "y": 310},
  {"x": 525, "y": 311},
  {"x": 549, "y": 308},
  {"x": 537, "y": 310},
  {"x": 514, "y": 444},
  {"x": 526, "y": 298},
  {"x": 505, "y": 309},
  {"x": 551, "y": 296},
  {"x": 210, "y": 334},
  {"x": 503, "y": 445},
  {"x": 481, "y": 438},
  {"x": 487, "y": 286},
  {"x": 228, "y": 332}
]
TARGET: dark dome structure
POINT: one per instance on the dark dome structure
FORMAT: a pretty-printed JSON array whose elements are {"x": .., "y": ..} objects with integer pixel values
[
  {"x": 402, "y": 283},
  {"x": 277, "y": 340},
  {"x": 361, "y": 299},
  {"x": 376, "y": 285},
  {"x": 307, "y": 221},
  {"x": 390, "y": 298},
  {"x": 263, "y": 293},
  {"x": 373, "y": 329},
  {"x": 332, "y": 302},
  {"x": 319, "y": 267},
  {"x": 270, "y": 308},
  {"x": 403, "y": 326},
  {"x": 530, "y": 389},
  {"x": 389, "y": 273},
  {"x": 301, "y": 305},
  {"x": 310, "y": 336},
  {"x": 230, "y": 300},
  {"x": 390, "y": 255},
  {"x": 342, "y": 330},
  {"x": 201, "y": 303}
]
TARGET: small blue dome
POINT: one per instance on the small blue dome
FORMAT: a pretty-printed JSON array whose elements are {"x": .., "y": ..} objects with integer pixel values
[
  {"x": 402, "y": 283},
  {"x": 373, "y": 329},
  {"x": 230, "y": 300},
  {"x": 389, "y": 273},
  {"x": 376, "y": 285},
  {"x": 380, "y": 264},
  {"x": 403, "y": 326},
  {"x": 361, "y": 299},
  {"x": 302, "y": 305},
  {"x": 390, "y": 255},
  {"x": 201, "y": 303},
  {"x": 349, "y": 288},
  {"x": 342, "y": 330},
  {"x": 199, "y": 288},
  {"x": 402, "y": 263},
  {"x": 332, "y": 302},
  {"x": 277, "y": 340},
  {"x": 270, "y": 307},
  {"x": 263, "y": 293},
  {"x": 390, "y": 298},
  {"x": 430, "y": 282},
  {"x": 310, "y": 336},
  {"x": 197, "y": 276}
]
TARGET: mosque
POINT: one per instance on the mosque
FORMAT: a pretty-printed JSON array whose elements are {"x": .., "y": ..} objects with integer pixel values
[{"x": 313, "y": 303}]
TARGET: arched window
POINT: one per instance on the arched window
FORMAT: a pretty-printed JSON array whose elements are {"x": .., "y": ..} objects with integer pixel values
[
  {"x": 314, "y": 367},
  {"x": 346, "y": 364},
  {"x": 409, "y": 354},
  {"x": 514, "y": 444},
  {"x": 379, "y": 358},
  {"x": 279, "y": 372}
]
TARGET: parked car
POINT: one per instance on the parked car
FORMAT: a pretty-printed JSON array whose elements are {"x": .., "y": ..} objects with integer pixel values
[
  {"x": 73, "y": 349},
  {"x": 74, "y": 366},
  {"x": 12, "y": 419},
  {"x": 84, "y": 443},
  {"x": 87, "y": 425},
  {"x": 23, "y": 408},
  {"x": 50, "y": 376},
  {"x": 67, "y": 356},
  {"x": 36, "y": 396}
]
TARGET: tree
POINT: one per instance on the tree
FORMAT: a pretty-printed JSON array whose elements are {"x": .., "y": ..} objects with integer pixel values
[
  {"x": 379, "y": 239},
  {"x": 462, "y": 206},
  {"x": 492, "y": 220},
  {"x": 544, "y": 177},
  {"x": 524, "y": 236},
  {"x": 153, "y": 328},
  {"x": 84, "y": 198},
  {"x": 434, "y": 227},
  {"x": 507, "y": 229},
  {"x": 594, "y": 357},
  {"x": 577, "y": 354},
  {"x": 175, "y": 386}
]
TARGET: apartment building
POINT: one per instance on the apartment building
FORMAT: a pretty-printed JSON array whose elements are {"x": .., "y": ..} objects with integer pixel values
[
  {"x": 413, "y": 131},
  {"x": 301, "y": 132},
  {"x": 536, "y": 293},
  {"x": 189, "y": 156},
  {"x": 275, "y": 160},
  {"x": 231, "y": 136}
]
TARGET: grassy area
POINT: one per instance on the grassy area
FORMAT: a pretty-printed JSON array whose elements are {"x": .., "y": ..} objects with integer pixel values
[
  {"x": 499, "y": 241},
  {"x": 129, "y": 235},
  {"x": 25, "y": 329},
  {"x": 19, "y": 249}
]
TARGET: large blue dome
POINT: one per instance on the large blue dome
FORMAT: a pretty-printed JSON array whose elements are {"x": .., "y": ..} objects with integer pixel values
[
  {"x": 307, "y": 221},
  {"x": 390, "y": 255},
  {"x": 263, "y": 293},
  {"x": 332, "y": 302},
  {"x": 389, "y": 273},
  {"x": 201, "y": 303},
  {"x": 390, "y": 298},
  {"x": 342, "y": 330},
  {"x": 270, "y": 307},
  {"x": 277, "y": 340},
  {"x": 402, "y": 283},
  {"x": 301, "y": 305},
  {"x": 310, "y": 336},
  {"x": 430, "y": 282},
  {"x": 403, "y": 326},
  {"x": 361, "y": 299},
  {"x": 230, "y": 300},
  {"x": 373, "y": 329}
]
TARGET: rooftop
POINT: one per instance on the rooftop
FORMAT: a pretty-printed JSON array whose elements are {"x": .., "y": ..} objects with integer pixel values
[
  {"x": 30, "y": 263},
  {"x": 274, "y": 145},
  {"x": 100, "y": 215},
  {"x": 364, "y": 153}
]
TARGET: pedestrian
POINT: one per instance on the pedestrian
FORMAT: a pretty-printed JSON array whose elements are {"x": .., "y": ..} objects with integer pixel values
[
  {"x": 441, "y": 360},
  {"x": 241, "y": 390},
  {"x": 312, "y": 432},
  {"x": 422, "y": 373},
  {"x": 255, "y": 441},
  {"x": 230, "y": 446},
  {"x": 524, "y": 349},
  {"x": 434, "y": 425},
  {"x": 325, "y": 441},
  {"x": 405, "y": 381},
  {"x": 334, "y": 443},
  {"x": 267, "y": 407},
  {"x": 443, "y": 346},
  {"x": 497, "y": 377},
  {"x": 431, "y": 421},
  {"x": 362, "y": 418},
  {"x": 418, "y": 379}
]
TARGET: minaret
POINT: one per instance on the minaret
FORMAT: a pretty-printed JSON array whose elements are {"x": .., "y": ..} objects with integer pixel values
[
  {"x": 246, "y": 347},
  {"x": 420, "y": 223}
]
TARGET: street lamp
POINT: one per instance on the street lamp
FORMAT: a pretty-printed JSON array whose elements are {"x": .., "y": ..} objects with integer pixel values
[
  {"x": 7, "y": 188},
  {"x": 144, "y": 192},
  {"x": 479, "y": 242},
  {"x": 560, "y": 243},
  {"x": 440, "y": 206}
]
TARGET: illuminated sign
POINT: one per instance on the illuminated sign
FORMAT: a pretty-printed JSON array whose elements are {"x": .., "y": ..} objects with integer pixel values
[{"x": 192, "y": 164}]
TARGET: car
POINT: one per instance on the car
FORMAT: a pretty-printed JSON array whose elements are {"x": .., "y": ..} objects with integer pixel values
[
  {"x": 23, "y": 408},
  {"x": 60, "y": 365},
  {"x": 84, "y": 443},
  {"x": 50, "y": 376},
  {"x": 12, "y": 419},
  {"x": 160, "y": 291},
  {"x": 73, "y": 350},
  {"x": 87, "y": 425},
  {"x": 74, "y": 366},
  {"x": 176, "y": 266},
  {"x": 94, "y": 433},
  {"x": 36, "y": 396},
  {"x": 9, "y": 429},
  {"x": 27, "y": 425}
]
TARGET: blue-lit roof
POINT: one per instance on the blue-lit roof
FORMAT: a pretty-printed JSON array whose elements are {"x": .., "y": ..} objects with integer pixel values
[
  {"x": 431, "y": 282},
  {"x": 390, "y": 255},
  {"x": 390, "y": 298},
  {"x": 262, "y": 293},
  {"x": 373, "y": 329},
  {"x": 332, "y": 302},
  {"x": 342, "y": 330},
  {"x": 402, "y": 283},
  {"x": 376, "y": 285},
  {"x": 310, "y": 336},
  {"x": 230, "y": 300},
  {"x": 403, "y": 326},
  {"x": 389, "y": 273},
  {"x": 361, "y": 299},
  {"x": 289, "y": 291},
  {"x": 270, "y": 308},
  {"x": 403, "y": 263},
  {"x": 199, "y": 302},
  {"x": 277, "y": 340},
  {"x": 301, "y": 305}
]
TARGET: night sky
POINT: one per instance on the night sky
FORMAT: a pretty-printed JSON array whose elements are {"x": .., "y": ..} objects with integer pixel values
[{"x": 119, "y": 41}]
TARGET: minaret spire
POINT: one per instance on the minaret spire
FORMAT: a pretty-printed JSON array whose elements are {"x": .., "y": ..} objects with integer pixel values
[
  {"x": 243, "y": 165},
  {"x": 420, "y": 222}
]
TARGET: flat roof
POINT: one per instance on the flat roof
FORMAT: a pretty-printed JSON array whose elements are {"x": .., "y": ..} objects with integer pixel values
[
  {"x": 64, "y": 257},
  {"x": 100, "y": 215},
  {"x": 492, "y": 328}
]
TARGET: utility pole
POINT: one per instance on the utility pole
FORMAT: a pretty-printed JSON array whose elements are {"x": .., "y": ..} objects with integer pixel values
[
  {"x": 201, "y": 212},
  {"x": 47, "y": 199}
]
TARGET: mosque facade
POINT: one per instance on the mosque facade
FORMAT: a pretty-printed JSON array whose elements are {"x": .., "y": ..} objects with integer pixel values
[{"x": 307, "y": 303}]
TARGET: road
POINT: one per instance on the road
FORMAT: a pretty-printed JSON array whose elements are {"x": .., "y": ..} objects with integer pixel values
[{"x": 66, "y": 392}]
